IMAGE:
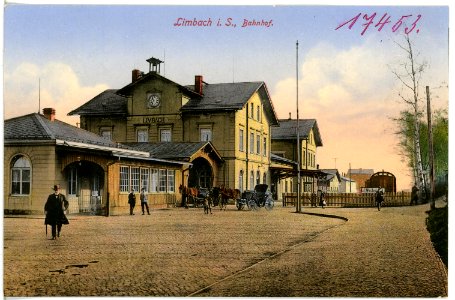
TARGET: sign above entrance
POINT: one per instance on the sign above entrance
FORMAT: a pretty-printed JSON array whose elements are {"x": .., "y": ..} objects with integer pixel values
[{"x": 152, "y": 120}]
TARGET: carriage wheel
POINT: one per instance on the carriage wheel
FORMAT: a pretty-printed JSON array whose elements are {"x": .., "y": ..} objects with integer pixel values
[
  {"x": 252, "y": 205},
  {"x": 269, "y": 204}
]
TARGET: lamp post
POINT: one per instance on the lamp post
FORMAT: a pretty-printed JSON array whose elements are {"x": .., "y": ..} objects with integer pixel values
[{"x": 298, "y": 206}]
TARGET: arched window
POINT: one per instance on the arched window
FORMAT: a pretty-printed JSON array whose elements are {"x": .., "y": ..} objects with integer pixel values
[
  {"x": 20, "y": 176},
  {"x": 241, "y": 181},
  {"x": 264, "y": 178},
  {"x": 258, "y": 177}
]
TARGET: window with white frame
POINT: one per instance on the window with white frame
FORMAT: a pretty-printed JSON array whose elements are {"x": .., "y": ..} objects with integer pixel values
[
  {"x": 124, "y": 179},
  {"x": 165, "y": 135},
  {"x": 171, "y": 181},
  {"x": 135, "y": 178},
  {"x": 142, "y": 135},
  {"x": 72, "y": 181},
  {"x": 206, "y": 134},
  {"x": 106, "y": 132},
  {"x": 145, "y": 179},
  {"x": 154, "y": 180},
  {"x": 20, "y": 176},
  {"x": 162, "y": 180},
  {"x": 241, "y": 139}
]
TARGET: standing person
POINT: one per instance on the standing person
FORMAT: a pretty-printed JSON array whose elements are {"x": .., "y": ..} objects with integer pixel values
[
  {"x": 379, "y": 198},
  {"x": 144, "y": 201},
  {"x": 132, "y": 201},
  {"x": 54, "y": 209},
  {"x": 414, "y": 195}
]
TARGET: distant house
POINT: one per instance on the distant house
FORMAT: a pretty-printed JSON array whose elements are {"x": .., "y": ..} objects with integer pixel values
[
  {"x": 360, "y": 176},
  {"x": 348, "y": 185},
  {"x": 332, "y": 181}
]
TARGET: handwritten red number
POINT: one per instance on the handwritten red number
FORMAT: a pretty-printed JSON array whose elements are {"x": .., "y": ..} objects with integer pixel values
[
  {"x": 353, "y": 20},
  {"x": 367, "y": 24},
  {"x": 381, "y": 23},
  {"x": 408, "y": 31},
  {"x": 399, "y": 23}
]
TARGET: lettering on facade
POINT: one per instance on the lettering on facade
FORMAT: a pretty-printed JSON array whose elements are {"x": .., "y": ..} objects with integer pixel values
[{"x": 153, "y": 120}]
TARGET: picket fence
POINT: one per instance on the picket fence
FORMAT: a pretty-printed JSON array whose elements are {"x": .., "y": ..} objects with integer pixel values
[{"x": 348, "y": 199}]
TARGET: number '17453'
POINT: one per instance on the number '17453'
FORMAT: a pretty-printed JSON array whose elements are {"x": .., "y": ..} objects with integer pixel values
[{"x": 382, "y": 22}]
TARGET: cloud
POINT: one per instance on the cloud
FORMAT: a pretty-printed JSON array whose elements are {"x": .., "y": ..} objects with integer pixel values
[
  {"x": 351, "y": 94},
  {"x": 55, "y": 84}
]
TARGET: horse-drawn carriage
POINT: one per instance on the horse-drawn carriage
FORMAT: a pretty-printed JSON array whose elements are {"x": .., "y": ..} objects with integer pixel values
[{"x": 259, "y": 197}]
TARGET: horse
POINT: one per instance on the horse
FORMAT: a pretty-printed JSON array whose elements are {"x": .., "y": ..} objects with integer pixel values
[
  {"x": 188, "y": 193},
  {"x": 226, "y": 194}
]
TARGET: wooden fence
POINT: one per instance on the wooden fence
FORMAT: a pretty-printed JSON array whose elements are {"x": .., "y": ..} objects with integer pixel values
[{"x": 348, "y": 199}]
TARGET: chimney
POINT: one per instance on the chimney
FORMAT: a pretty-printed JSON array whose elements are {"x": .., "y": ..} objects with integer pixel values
[
  {"x": 49, "y": 113},
  {"x": 136, "y": 74},
  {"x": 198, "y": 84}
]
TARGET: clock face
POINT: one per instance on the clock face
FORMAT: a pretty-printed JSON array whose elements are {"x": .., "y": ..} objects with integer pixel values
[{"x": 153, "y": 100}]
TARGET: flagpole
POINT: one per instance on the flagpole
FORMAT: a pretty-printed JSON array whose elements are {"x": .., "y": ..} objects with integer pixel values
[{"x": 298, "y": 204}]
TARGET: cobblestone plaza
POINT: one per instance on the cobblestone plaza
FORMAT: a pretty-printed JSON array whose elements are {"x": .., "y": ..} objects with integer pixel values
[{"x": 183, "y": 252}]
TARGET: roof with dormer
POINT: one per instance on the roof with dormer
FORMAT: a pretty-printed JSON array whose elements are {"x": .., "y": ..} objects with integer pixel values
[{"x": 231, "y": 97}]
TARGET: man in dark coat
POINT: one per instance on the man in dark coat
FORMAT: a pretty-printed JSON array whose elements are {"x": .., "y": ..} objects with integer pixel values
[
  {"x": 54, "y": 208},
  {"x": 132, "y": 201}
]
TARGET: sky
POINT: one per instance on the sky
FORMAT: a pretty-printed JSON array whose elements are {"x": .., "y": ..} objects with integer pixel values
[{"x": 61, "y": 56}]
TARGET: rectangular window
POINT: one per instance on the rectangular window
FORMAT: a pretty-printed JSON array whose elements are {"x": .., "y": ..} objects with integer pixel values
[
  {"x": 241, "y": 139},
  {"x": 145, "y": 179},
  {"x": 135, "y": 179},
  {"x": 72, "y": 181},
  {"x": 142, "y": 135},
  {"x": 124, "y": 179},
  {"x": 171, "y": 181},
  {"x": 165, "y": 135},
  {"x": 251, "y": 142},
  {"x": 107, "y": 134},
  {"x": 264, "y": 146},
  {"x": 258, "y": 115},
  {"x": 252, "y": 111},
  {"x": 206, "y": 134},
  {"x": 258, "y": 144},
  {"x": 154, "y": 181},
  {"x": 162, "y": 180}
]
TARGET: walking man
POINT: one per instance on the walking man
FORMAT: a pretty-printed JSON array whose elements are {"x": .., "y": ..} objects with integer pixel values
[
  {"x": 144, "y": 201},
  {"x": 54, "y": 209}
]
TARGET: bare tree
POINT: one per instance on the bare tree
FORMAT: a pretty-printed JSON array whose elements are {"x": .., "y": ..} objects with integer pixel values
[{"x": 409, "y": 75}]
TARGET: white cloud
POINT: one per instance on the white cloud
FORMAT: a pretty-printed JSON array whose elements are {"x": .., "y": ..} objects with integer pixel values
[
  {"x": 349, "y": 93},
  {"x": 60, "y": 89}
]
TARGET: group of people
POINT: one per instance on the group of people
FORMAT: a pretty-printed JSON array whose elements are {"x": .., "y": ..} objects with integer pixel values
[
  {"x": 56, "y": 205},
  {"x": 144, "y": 201}
]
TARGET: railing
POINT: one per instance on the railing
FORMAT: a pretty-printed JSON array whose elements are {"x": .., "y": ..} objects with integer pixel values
[{"x": 348, "y": 199}]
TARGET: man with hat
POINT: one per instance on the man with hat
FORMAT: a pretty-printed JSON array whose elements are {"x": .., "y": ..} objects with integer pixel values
[{"x": 54, "y": 208}]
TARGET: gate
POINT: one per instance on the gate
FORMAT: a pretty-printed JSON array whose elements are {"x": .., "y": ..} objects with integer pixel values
[{"x": 90, "y": 204}]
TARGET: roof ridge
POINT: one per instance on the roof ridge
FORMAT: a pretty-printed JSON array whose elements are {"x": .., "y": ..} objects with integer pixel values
[{"x": 43, "y": 124}]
